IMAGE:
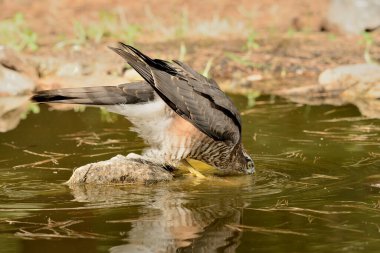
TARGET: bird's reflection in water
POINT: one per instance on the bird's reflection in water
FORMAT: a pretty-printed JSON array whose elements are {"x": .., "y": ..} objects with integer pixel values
[
  {"x": 177, "y": 221},
  {"x": 182, "y": 225}
]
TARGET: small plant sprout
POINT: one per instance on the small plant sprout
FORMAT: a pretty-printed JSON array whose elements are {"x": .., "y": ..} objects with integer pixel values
[
  {"x": 183, "y": 27},
  {"x": 16, "y": 34},
  {"x": 109, "y": 25},
  {"x": 251, "y": 98},
  {"x": 240, "y": 60},
  {"x": 206, "y": 71},
  {"x": 32, "y": 108},
  {"x": 368, "y": 41},
  {"x": 251, "y": 42},
  {"x": 106, "y": 116},
  {"x": 182, "y": 52}
]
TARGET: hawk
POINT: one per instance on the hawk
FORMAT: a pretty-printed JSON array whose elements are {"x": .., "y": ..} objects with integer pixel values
[{"x": 178, "y": 112}]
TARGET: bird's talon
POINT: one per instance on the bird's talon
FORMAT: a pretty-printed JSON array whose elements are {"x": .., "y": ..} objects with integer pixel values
[{"x": 196, "y": 173}]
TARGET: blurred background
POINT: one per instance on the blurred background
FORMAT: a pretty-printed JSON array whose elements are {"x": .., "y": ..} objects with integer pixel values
[
  {"x": 259, "y": 45},
  {"x": 305, "y": 76},
  {"x": 255, "y": 47}
]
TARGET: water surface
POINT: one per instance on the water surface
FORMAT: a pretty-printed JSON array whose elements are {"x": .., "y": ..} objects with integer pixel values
[{"x": 316, "y": 187}]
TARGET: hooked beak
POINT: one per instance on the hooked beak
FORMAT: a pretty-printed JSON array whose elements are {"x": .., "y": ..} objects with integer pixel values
[{"x": 251, "y": 170}]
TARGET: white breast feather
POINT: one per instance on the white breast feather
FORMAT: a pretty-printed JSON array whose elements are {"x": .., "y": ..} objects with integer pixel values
[{"x": 151, "y": 120}]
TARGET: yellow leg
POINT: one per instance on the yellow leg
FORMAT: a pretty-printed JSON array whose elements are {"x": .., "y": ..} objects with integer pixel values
[{"x": 192, "y": 170}]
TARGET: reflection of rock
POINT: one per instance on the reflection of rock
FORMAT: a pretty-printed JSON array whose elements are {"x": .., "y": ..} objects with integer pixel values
[
  {"x": 171, "y": 218},
  {"x": 13, "y": 83},
  {"x": 119, "y": 170},
  {"x": 356, "y": 84},
  {"x": 369, "y": 108},
  {"x": 99, "y": 193},
  {"x": 373, "y": 183},
  {"x": 173, "y": 224},
  {"x": 11, "y": 109},
  {"x": 355, "y": 16}
]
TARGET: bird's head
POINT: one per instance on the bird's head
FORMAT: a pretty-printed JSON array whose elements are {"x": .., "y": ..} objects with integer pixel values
[
  {"x": 240, "y": 162},
  {"x": 249, "y": 164}
]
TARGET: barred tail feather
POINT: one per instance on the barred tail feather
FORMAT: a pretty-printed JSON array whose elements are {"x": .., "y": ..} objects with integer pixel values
[{"x": 105, "y": 95}]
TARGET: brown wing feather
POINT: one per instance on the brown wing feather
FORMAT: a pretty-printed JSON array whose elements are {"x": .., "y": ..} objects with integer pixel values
[{"x": 195, "y": 98}]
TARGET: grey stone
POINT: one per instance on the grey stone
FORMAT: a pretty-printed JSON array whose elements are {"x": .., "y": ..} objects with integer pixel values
[
  {"x": 354, "y": 16},
  {"x": 13, "y": 83},
  {"x": 356, "y": 81},
  {"x": 15, "y": 61},
  {"x": 119, "y": 170},
  {"x": 71, "y": 69},
  {"x": 357, "y": 84}
]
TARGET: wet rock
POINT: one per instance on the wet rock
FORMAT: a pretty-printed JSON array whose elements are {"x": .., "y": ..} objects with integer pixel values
[
  {"x": 354, "y": 16},
  {"x": 13, "y": 83},
  {"x": 119, "y": 170},
  {"x": 358, "y": 84}
]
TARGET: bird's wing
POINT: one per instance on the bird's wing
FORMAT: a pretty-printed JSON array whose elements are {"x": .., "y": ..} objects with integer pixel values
[
  {"x": 190, "y": 95},
  {"x": 131, "y": 93}
]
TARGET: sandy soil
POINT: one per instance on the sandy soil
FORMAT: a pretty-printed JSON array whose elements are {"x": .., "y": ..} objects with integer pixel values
[{"x": 246, "y": 42}]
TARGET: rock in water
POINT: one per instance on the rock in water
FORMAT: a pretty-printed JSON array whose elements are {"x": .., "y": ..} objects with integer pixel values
[{"x": 119, "y": 170}]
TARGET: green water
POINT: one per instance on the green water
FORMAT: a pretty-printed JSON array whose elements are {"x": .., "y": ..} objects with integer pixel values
[{"x": 314, "y": 191}]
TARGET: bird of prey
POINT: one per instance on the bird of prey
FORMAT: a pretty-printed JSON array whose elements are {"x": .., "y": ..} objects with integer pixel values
[{"x": 178, "y": 112}]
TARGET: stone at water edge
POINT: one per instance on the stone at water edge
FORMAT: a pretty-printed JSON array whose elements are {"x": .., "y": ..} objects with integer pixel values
[
  {"x": 354, "y": 81},
  {"x": 119, "y": 170},
  {"x": 11, "y": 59},
  {"x": 13, "y": 83},
  {"x": 357, "y": 84}
]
